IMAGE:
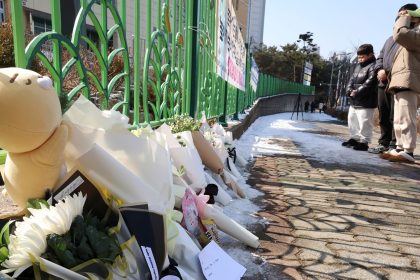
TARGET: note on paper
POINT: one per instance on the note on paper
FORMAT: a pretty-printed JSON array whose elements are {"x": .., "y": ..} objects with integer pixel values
[{"x": 216, "y": 264}]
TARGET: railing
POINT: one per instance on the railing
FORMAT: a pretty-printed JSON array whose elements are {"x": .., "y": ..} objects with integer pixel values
[
  {"x": 176, "y": 75},
  {"x": 269, "y": 85}
]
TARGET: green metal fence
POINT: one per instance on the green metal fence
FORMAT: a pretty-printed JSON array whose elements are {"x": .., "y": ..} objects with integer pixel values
[
  {"x": 269, "y": 85},
  {"x": 175, "y": 73}
]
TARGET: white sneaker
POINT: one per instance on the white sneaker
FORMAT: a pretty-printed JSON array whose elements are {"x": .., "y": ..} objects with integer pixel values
[
  {"x": 390, "y": 153},
  {"x": 402, "y": 157}
]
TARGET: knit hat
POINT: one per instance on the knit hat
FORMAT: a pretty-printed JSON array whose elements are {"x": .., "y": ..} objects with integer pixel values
[
  {"x": 410, "y": 7},
  {"x": 365, "y": 49}
]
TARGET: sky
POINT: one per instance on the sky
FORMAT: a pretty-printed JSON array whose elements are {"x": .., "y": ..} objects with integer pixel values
[{"x": 337, "y": 25}]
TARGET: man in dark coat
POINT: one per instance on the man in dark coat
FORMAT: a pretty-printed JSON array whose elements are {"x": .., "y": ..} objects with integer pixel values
[
  {"x": 306, "y": 106},
  {"x": 362, "y": 90},
  {"x": 313, "y": 106}
]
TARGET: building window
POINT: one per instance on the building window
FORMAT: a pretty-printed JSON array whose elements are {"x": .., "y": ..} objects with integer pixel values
[
  {"x": 41, "y": 25},
  {"x": 2, "y": 13}
]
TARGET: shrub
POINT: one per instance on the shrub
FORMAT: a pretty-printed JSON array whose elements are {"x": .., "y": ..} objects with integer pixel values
[
  {"x": 7, "y": 53},
  {"x": 341, "y": 115},
  {"x": 7, "y": 56}
]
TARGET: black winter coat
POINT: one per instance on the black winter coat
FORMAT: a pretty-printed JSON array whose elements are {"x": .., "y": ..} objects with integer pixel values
[
  {"x": 385, "y": 58},
  {"x": 365, "y": 83}
]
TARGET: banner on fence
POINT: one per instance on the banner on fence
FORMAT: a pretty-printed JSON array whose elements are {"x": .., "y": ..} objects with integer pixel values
[
  {"x": 230, "y": 48},
  {"x": 254, "y": 74}
]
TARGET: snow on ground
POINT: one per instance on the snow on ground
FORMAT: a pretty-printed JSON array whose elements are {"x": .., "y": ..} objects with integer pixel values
[
  {"x": 265, "y": 137},
  {"x": 323, "y": 148}
]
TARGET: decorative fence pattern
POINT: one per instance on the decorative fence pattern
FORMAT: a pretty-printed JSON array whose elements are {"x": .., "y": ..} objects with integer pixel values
[{"x": 174, "y": 75}]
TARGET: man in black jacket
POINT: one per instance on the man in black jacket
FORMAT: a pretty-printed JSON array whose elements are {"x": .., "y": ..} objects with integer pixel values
[
  {"x": 362, "y": 90},
  {"x": 385, "y": 99}
]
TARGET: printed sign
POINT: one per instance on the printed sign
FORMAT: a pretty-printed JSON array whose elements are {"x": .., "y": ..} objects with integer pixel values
[
  {"x": 230, "y": 47},
  {"x": 307, "y": 74}
]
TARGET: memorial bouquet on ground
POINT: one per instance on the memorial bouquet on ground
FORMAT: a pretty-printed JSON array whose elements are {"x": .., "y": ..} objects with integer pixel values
[
  {"x": 66, "y": 240},
  {"x": 196, "y": 141},
  {"x": 135, "y": 167}
]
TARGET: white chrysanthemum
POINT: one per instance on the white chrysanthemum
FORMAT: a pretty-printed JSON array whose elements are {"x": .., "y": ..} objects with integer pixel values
[{"x": 29, "y": 240}]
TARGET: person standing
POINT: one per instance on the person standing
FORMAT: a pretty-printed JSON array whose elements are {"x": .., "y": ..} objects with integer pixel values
[
  {"x": 362, "y": 89},
  {"x": 313, "y": 106},
  {"x": 320, "y": 106},
  {"x": 383, "y": 67},
  {"x": 306, "y": 106},
  {"x": 405, "y": 85}
]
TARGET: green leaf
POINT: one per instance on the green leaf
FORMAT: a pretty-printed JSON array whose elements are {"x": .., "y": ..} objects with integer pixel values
[
  {"x": 84, "y": 251},
  {"x": 104, "y": 246},
  {"x": 59, "y": 245},
  {"x": 4, "y": 253},
  {"x": 77, "y": 229},
  {"x": 5, "y": 233},
  {"x": 36, "y": 203}
]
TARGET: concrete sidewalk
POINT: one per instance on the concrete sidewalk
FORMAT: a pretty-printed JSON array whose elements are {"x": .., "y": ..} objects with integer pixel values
[{"x": 335, "y": 221}]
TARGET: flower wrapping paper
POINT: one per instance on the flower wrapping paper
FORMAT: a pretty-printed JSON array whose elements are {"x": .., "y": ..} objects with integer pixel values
[
  {"x": 207, "y": 154},
  {"x": 184, "y": 157},
  {"x": 89, "y": 127}
]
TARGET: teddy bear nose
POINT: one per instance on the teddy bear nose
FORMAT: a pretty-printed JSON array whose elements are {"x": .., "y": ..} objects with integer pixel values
[{"x": 45, "y": 82}]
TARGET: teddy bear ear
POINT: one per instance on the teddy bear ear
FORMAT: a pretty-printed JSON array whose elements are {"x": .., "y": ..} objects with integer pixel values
[{"x": 45, "y": 82}]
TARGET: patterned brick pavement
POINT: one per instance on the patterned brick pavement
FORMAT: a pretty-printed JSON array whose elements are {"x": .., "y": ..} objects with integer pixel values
[{"x": 331, "y": 221}]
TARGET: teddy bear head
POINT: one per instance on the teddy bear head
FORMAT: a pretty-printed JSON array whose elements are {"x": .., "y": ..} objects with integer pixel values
[{"x": 29, "y": 109}]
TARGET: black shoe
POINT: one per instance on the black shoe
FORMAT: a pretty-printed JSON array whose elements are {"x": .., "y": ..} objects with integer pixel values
[
  {"x": 349, "y": 143},
  {"x": 378, "y": 149},
  {"x": 361, "y": 147}
]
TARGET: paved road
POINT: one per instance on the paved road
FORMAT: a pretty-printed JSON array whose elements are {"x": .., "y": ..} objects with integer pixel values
[{"x": 330, "y": 221}]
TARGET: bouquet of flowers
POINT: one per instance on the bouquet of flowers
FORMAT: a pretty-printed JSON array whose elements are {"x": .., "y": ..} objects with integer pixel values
[{"x": 61, "y": 240}]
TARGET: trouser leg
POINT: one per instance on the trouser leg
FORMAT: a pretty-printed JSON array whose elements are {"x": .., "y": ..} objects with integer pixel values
[
  {"x": 405, "y": 109},
  {"x": 393, "y": 142},
  {"x": 365, "y": 119},
  {"x": 353, "y": 124},
  {"x": 385, "y": 117}
]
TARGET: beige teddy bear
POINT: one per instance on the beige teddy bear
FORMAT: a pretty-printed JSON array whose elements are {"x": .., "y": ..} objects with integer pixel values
[{"x": 31, "y": 132}]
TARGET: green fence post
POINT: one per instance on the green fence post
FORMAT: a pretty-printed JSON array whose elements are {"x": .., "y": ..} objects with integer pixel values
[
  {"x": 18, "y": 31},
  {"x": 237, "y": 108},
  {"x": 222, "y": 118},
  {"x": 57, "y": 53},
  {"x": 136, "y": 54},
  {"x": 145, "y": 71},
  {"x": 193, "y": 104},
  {"x": 123, "y": 15}
]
